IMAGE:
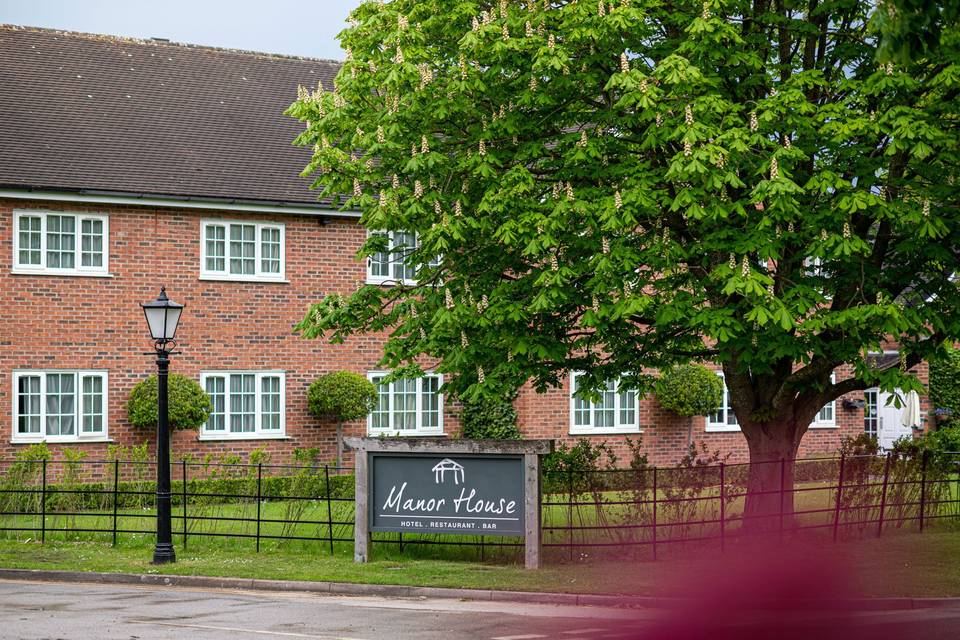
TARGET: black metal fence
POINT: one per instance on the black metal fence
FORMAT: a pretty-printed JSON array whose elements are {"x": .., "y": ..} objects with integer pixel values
[{"x": 642, "y": 511}]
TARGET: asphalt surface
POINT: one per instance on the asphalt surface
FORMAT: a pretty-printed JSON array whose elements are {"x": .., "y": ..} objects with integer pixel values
[{"x": 100, "y": 612}]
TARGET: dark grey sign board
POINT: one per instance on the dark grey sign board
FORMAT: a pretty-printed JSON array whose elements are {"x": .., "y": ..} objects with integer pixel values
[
  {"x": 437, "y": 493},
  {"x": 437, "y": 485}
]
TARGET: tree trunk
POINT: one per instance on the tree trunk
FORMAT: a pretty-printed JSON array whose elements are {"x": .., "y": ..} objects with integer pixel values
[
  {"x": 339, "y": 445},
  {"x": 773, "y": 452}
]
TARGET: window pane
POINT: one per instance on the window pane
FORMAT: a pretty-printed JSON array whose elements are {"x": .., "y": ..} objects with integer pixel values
[
  {"x": 270, "y": 403},
  {"x": 402, "y": 246},
  {"x": 29, "y": 240},
  {"x": 604, "y": 410},
  {"x": 215, "y": 389},
  {"x": 405, "y": 405},
  {"x": 215, "y": 248},
  {"x": 28, "y": 404},
  {"x": 91, "y": 243},
  {"x": 430, "y": 402},
  {"x": 61, "y": 241},
  {"x": 581, "y": 406},
  {"x": 92, "y": 404},
  {"x": 270, "y": 250},
  {"x": 870, "y": 415},
  {"x": 243, "y": 249},
  {"x": 379, "y": 264},
  {"x": 243, "y": 402},
  {"x": 628, "y": 408},
  {"x": 380, "y": 416},
  {"x": 61, "y": 404}
]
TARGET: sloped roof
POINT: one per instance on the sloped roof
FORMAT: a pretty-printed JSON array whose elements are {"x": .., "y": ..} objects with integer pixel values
[{"x": 82, "y": 112}]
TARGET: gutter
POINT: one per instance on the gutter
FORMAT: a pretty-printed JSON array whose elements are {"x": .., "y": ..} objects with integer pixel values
[{"x": 92, "y": 196}]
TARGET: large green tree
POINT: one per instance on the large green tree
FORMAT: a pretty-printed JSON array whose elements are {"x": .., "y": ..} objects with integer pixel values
[{"x": 616, "y": 187}]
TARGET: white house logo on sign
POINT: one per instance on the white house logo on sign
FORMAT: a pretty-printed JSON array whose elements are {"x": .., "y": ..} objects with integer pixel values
[
  {"x": 441, "y": 468},
  {"x": 424, "y": 494}
]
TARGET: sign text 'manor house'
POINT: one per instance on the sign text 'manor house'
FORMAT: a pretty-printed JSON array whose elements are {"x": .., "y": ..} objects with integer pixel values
[{"x": 473, "y": 494}]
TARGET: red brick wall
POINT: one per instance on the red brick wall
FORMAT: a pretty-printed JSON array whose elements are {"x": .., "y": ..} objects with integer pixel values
[{"x": 49, "y": 322}]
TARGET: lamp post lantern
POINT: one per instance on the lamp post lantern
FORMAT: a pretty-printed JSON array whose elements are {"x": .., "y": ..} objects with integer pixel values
[{"x": 163, "y": 316}]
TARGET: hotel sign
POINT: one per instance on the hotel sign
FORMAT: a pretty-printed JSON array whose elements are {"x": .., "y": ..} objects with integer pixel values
[
  {"x": 438, "y": 485},
  {"x": 438, "y": 493}
]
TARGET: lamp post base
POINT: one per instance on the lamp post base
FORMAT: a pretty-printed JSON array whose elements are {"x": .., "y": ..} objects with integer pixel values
[{"x": 163, "y": 553}]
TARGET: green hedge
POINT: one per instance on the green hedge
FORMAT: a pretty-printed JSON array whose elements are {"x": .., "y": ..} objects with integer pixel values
[
  {"x": 85, "y": 496},
  {"x": 188, "y": 404},
  {"x": 690, "y": 390}
]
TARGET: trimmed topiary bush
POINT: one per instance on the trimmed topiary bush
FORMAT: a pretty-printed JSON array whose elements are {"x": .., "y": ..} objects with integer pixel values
[
  {"x": 341, "y": 396},
  {"x": 188, "y": 404},
  {"x": 690, "y": 390},
  {"x": 489, "y": 420}
]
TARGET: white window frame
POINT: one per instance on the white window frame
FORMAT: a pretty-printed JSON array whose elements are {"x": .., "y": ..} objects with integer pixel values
[
  {"x": 419, "y": 430},
  {"x": 102, "y": 271},
  {"x": 78, "y": 435},
  {"x": 258, "y": 274},
  {"x": 619, "y": 427},
  {"x": 258, "y": 433},
  {"x": 818, "y": 421},
  {"x": 392, "y": 259},
  {"x": 725, "y": 410}
]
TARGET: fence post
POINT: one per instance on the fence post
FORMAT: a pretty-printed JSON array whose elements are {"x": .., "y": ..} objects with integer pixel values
[
  {"x": 836, "y": 508},
  {"x": 783, "y": 464},
  {"x": 326, "y": 475},
  {"x": 570, "y": 511},
  {"x": 923, "y": 485},
  {"x": 183, "y": 496},
  {"x": 116, "y": 487},
  {"x": 259, "y": 478},
  {"x": 43, "y": 504},
  {"x": 723, "y": 508},
  {"x": 883, "y": 494},
  {"x": 654, "y": 513}
]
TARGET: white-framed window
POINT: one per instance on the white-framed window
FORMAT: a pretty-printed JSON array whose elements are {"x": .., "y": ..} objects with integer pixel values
[
  {"x": 59, "y": 405},
  {"x": 60, "y": 243},
  {"x": 617, "y": 409},
  {"x": 723, "y": 419},
  {"x": 407, "y": 407},
  {"x": 827, "y": 416},
  {"x": 242, "y": 250},
  {"x": 390, "y": 266},
  {"x": 245, "y": 404}
]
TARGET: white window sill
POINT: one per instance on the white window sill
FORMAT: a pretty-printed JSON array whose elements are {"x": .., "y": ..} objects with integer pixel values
[
  {"x": 60, "y": 440},
  {"x": 823, "y": 425},
  {"x": 405, "y": 434},
  {"x": 710, "y": 429},
  {"x": 390, "y": 282},
  {"x": 587, "y": 431},
  {"x": 232, "y": 278},
  {"x": 211, "y": 437},
  {"x": 19, "y": 271}
]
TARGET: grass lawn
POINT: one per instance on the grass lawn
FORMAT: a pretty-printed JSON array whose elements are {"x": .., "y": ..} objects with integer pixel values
[{"x": 902, "y": 563}]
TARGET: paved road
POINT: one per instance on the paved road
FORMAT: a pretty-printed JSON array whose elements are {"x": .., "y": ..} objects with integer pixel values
[{"x": 105, "y": 612}]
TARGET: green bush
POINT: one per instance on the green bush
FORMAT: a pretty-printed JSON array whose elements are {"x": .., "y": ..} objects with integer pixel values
[
  {"x": 489, "y": 420},
  {"x": 341, "y": 396},
  {"x": 945, "y": 384},
  {"x": 189, "y": 405},
  {"x": 690, "y": 390}
]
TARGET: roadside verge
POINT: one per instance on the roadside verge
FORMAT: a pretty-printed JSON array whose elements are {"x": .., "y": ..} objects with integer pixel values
[{"x": 401, "y": 591}]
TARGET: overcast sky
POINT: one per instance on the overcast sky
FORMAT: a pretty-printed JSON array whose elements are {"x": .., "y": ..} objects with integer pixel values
[{"x": 304, "y": 28}]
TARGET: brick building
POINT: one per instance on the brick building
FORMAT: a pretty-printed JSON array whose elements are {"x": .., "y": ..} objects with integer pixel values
[{"x": 129, "y": 164}]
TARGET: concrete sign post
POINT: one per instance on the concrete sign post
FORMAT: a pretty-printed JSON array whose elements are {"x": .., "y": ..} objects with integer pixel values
[{"x": 435, "y": 485}]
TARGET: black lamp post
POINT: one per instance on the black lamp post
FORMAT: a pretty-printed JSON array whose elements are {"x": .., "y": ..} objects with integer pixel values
[{"x": 163, "y": 315}]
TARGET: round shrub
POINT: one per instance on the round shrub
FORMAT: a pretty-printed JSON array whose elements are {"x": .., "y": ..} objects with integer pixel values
[
  {"x": 341, "y": 396},
  {"x": 188, "y": 404},
  {"x": 690, "y": 390},
  {"x": 489, "y": 420}
]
